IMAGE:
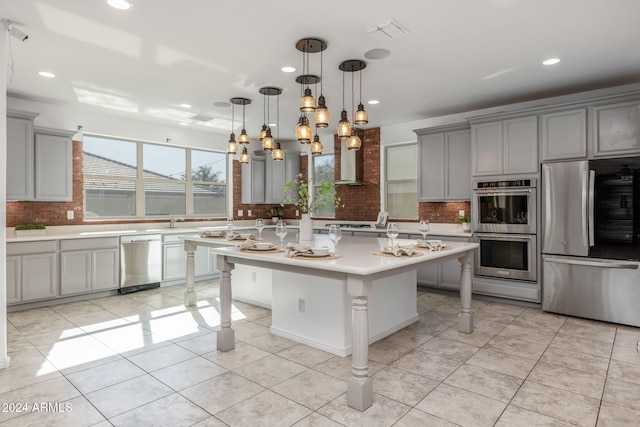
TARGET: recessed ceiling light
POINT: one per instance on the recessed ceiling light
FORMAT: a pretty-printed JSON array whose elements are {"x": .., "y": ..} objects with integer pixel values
[
  {"x": 185, "y": 105},
  {"x": 377, "y": 54},
  {"x": 184, "y": 124},
  {"x": 221, "y": 104},
  {"x": 273, "y": 125},
  {"x": 46, "y": 74},
  {"x": 119, "y": 4},
  {"x": 288, "y": 69},
  {"x": 373, "y": 102},
  {"x": 551, "y": 61}
]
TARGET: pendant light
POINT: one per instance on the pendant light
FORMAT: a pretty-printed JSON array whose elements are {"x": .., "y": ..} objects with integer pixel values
[
  {"x": 344, "y": 127},
  {"x": 316, "y": 145},
  {"x": 263, "y": 132},
  {"x": 303, "y": 131},
  {"x": 321, "y": 116},
  {"x": 244, "y": 156},
  {"x": 307, "y": 46},
  {"x": 232, "y": 146},
  {"x": 268, "y": 144},
  {"x": 277, "y": 154},
  {"x": 243, "y": 138},
  {"x": 360, "y": 117},
  {"x": 353, "y": 140}
]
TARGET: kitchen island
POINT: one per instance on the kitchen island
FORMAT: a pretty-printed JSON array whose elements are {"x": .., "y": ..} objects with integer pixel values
[{"x": 358, "y": 274}]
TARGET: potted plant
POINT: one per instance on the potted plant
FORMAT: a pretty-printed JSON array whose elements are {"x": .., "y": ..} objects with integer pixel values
[
  {"x": 464, "y": 221},
  {"x": 298, "y": 192},
  {"x": 275, "y": 213},
  {"x": 30, "y": 229}
]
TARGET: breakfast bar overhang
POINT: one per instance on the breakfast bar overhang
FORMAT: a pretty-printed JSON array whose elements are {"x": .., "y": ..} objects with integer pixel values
[{"x": 358, "y": 271}]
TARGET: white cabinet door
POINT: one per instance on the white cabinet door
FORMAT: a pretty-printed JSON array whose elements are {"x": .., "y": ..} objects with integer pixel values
[
  {"x": 39, "y": 276},
  {"x": 75, "y": 272},
  {"x": 14, "y": 279},
  {"x": 431, "y": 155},
  {"x": 53, "y": 168},
  {"x": 105, "y": 269},
  {"x": 564, "y": 135},
  {"x": 253, "y": 181},
  {"x": 486, "y": 148},
  {"x": 458, "y": 166},
  {"x": 617, "y": 128},
  {"x": 19, "y": 159},
  {"x": 203, "y": 261},
  {"x": 174, "y": 262},
  {"x": 520, "y": 145}
]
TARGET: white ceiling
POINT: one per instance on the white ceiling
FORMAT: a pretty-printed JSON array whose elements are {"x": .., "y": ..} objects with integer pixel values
[{"x": 459, "y": 55}]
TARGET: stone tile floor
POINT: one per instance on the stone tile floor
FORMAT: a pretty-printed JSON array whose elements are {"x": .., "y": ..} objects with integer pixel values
[{"x": 143, "y": 359}]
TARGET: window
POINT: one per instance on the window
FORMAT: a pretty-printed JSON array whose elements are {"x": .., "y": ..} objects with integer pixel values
[
  {"x": 134, "y": 179},
  {"x": 401, "y": 181},
  {"x": 323, "y": 170}
]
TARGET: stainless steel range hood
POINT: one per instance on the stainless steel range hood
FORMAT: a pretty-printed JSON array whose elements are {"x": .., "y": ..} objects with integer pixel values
[{"x": 351, "y": 166}]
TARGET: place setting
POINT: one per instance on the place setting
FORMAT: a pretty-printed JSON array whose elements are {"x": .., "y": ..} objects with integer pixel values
[
  {"x": 395, "y": 250},
  {"x": 296, "y": 250},
  {"x": 257, "y": 246}
]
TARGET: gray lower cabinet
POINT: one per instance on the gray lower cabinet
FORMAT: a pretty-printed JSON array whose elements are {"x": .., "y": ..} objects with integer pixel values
[
  {"x": 445, "y": 274},
  {"x": 88, "y": 265},
  {"x": 32, "y": 271},
  {"x": 174, "y": 260}
]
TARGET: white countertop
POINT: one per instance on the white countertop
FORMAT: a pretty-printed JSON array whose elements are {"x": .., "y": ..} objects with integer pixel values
[
  {"x": 356, "y": 253},
  {"x": 116, "y": 230}
]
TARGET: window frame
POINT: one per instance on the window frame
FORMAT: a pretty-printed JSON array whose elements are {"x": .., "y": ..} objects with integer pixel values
[
  {"x": 139, "y": 182},
  {"x": 387, "y": 181}
]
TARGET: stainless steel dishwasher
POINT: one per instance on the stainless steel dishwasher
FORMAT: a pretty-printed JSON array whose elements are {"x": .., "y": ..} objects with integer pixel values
[{"x": 140, "y": 262}]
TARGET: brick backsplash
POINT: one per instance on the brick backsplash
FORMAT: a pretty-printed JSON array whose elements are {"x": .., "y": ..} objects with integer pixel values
[{"x": 443, "y": 212}]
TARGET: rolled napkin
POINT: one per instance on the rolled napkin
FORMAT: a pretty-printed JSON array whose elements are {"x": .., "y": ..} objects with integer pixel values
[
  {"x": 294, "y": 249},
  {"x": 240, "y": 236},
  {"x": 248, "y": 244},
  {"x": 398, "y": 250}
]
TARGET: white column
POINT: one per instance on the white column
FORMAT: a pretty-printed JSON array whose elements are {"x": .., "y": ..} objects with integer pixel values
[
  {"x": 4, "y": 358},
  {"x": 465, "y": 320},
  {"x": 190, "y": 297},
  {"x": 226, "y": 336},
  {"x": 360, "y": 385}
]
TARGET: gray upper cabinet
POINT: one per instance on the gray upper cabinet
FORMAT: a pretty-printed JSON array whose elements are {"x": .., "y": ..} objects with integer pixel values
[
  {"x": 616, "y": 129},
  {"x": 564, "y": 135},
  {"x": 263, "y": 178},
  {"x": 20, "y": 156},
  {"x": 444, "y": 159},
  {"x": 53, "y": 165},
  {"x": 505, "y": 147}
]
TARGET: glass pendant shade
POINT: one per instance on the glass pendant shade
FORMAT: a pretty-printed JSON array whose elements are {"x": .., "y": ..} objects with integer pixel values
[
  {"x": 316, "y": 146},
  {"x": 267, "y": 142},
  {"x": 244, "y": 156},
  {"x": 232, "y": 147},
  {"x": 354, "y": 142},
  {"x": 277, "y": 154},
  {"x": 322, "y": 116},
  {"x": 263, "y": 132},
  {"x": 360, "y": 117},
  {"x": 344, "y": 127},
  {"x": 308, "y": 103},
  {"x": 243, "y": 138},
  {"x": 303, "y": 131}
]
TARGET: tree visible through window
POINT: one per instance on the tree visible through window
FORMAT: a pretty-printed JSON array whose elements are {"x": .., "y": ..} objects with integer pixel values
[{"x": 323, "y": 171}]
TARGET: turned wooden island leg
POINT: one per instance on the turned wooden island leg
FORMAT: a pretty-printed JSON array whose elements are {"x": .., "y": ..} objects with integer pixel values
[
  {"x": 226, "y": 336},
  {"x": 190, "y": 297},
  {"x": 360, "y": 385},
  {"x": 465, "y": 319}
]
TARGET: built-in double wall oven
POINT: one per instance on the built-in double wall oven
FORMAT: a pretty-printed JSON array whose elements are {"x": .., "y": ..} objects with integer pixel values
[{"x": 504, "y": 224}]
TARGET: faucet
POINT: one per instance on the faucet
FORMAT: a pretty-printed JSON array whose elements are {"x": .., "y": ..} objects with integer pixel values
[{"x": 172, "y": 223}]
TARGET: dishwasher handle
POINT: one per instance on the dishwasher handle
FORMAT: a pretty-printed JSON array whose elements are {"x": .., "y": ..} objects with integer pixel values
[{"x": 622, "y": 265}]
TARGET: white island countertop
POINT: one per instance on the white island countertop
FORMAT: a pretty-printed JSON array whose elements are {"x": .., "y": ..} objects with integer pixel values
[{"x": 359, "y": 276}]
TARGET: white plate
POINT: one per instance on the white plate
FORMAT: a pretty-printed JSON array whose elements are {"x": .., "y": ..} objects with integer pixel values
[
  {"x": 427, "y": 247},
  {"x": 263, "y": 249},
  {"x": 314, "y": 255}
]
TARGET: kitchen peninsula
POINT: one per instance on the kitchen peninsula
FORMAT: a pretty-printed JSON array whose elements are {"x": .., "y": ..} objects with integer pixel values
[{"x": 337, "y": 294}]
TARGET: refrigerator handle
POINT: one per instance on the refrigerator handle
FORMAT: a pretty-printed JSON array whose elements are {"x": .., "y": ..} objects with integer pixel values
[
  {"x": 585, "y": 209},
  {"x": 592, "y": 207},
  {"x": 546, "y": 224}
]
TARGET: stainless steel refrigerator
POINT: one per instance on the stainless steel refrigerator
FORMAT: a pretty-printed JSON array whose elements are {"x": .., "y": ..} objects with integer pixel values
[{"x": 591, "y": 239}]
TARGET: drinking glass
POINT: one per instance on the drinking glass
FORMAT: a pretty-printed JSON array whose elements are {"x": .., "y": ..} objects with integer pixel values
[
  {"x": 259, "y": 227},
  {"x": 281, "y": 231},
  {"x": 392, "y": 232},
  {"x": 335, "y": 234},
  {"x": 424, "y": 229},
  {"x": 229, "y": 224}
]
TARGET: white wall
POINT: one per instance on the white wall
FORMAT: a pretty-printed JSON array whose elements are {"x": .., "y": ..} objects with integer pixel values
[{"x": 4, "y": 358}]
